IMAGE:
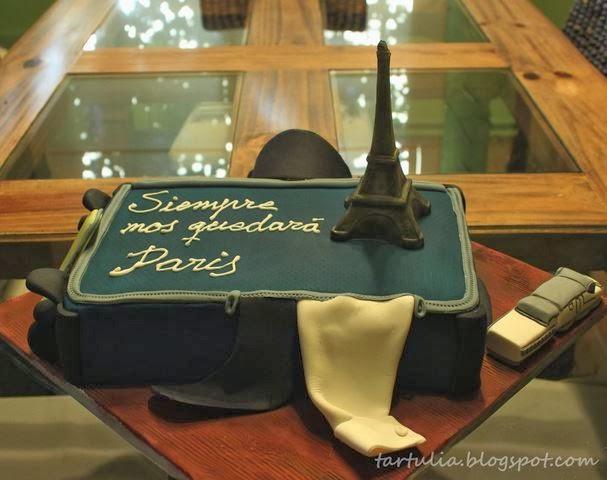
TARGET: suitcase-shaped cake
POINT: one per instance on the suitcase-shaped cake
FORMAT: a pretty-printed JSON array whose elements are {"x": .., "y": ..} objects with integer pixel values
[
  {"x": 153, "y": 297},
  {"x": 207, "y": 280}
]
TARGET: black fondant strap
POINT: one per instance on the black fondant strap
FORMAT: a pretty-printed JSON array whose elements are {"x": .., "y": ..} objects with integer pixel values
[
  {"x": 538, "y": 308},
  {"x": 68, "y": 338},
  {"x": 48, "y": 282},
  {"x": 560, "y": 291},
  {"x": 94, "y": 199},
  {"x": 552, "y": 297},
  {"x": 258, "y": 375},
  {"x": 41, "y": 335},
  {"x": 587, "y": 282}
]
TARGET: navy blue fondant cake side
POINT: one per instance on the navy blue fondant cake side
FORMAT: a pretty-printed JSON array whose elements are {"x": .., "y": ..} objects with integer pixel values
[{"x": 130, "y": 344}]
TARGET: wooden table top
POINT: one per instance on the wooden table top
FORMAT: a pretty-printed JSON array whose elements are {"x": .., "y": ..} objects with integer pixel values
[
  {"x": 285, "y": 83},
  {"x": 295, "y": 441}
]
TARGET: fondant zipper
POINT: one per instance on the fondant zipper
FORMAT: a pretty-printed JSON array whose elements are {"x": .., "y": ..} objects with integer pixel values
[
  {"x": 419, "y": 309},
  {"x": 232, "y": 301}
]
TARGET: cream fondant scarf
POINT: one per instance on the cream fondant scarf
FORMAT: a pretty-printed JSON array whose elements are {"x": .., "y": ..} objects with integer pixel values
[{"x": 351, "y": 349}]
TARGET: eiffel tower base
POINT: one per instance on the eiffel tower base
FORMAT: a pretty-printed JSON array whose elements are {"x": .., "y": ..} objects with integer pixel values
[{"x": 384, "y": 218}]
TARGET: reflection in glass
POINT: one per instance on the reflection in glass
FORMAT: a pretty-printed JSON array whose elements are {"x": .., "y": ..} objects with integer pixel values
[
  {"x": 360, "y": 22},
  {"x": 172, "y": 23},
  {"x": 131, "y": 126},
  {"x": 449, "y": 122}
]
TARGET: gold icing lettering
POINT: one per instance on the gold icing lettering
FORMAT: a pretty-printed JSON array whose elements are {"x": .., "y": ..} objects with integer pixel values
[
  {"x": 196, "y": 228},
  {"x": 173, "y": 265},
  {"x": 258, "y": 226},
  {"x": 174, "y": 205},
  {"x": 265, "y": 225},
  {"x": 142, "y": 262},
  {"x": 224, "y": 264},
  {"x": 140, "y": 227},
  {"x": 237, "y": 227},
  {"x": 217, "y": 267},
  {"x": 232, "y": 263},
  {"x": 148, "y": 196}
]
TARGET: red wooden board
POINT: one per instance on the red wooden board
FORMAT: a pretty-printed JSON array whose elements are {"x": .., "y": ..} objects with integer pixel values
[{"x": 295, "y": 441}]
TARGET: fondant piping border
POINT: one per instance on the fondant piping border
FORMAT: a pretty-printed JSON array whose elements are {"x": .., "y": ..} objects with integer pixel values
[{"x": 468, "y": 301}]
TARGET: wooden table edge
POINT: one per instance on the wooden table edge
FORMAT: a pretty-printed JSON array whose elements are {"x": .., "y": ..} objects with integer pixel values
[
  {"x": 100, "y": 413},
  {"x": 154, "y": 455}
]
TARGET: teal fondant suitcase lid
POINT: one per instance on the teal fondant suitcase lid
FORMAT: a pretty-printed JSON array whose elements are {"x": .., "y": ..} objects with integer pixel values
[{"x": 211, "y": 240}]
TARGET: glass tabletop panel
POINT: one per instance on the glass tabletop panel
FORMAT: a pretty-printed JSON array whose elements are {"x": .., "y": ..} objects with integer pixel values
[
  {"x": 360, "y": 22},
  {"x": 449, "y": 122},
  {"x": 172, "y": 23},
  {"x": 131, "y": 126}
]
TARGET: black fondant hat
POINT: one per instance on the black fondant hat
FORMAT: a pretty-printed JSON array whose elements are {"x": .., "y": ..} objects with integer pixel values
[
  {"x": 299, "y": 155},
  {"x": 258, "y": 375}
]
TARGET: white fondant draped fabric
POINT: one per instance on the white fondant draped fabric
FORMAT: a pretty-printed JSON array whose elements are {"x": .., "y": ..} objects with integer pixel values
[{"x": 351, "y": 349}]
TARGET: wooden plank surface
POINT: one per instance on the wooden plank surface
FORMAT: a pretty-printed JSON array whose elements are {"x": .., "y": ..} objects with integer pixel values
[
  {"x": 276, "y": 100},
  {"x": 285, "y": 22},
  {"x": 254, "y": 58},
  {"x": 295, "y": 441},
  {"x": 49, "y": 210},
  {"x": 37, "y": 63},
  {"x": 286, "y": 85},
  {"x": 569, "y": 90}
]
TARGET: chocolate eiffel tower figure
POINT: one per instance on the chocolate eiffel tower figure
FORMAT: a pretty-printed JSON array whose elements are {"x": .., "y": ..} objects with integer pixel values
[{"x": 385, "y": 205}]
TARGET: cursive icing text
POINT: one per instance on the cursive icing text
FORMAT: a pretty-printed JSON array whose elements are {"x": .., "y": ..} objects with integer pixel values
[
  {"x": 156, "y": 257},
  {"x": 216, "y": 206}
]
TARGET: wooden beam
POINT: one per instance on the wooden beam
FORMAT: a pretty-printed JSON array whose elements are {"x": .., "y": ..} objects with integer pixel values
[
  {"x": 44, "y": 210},
  {"x": 278, "y": 99},
  {"x": 49, "y": 210},
  {"x": 286, "y": 85},
  {"x": 285, "y": 22},
  {"x": 514, "y": 203},
  {"x": 275, "y": 101},
  {"x": 37, "y": 63},
  {"x": 569, "y": 91},
  {"x": 256, "y": 58}
]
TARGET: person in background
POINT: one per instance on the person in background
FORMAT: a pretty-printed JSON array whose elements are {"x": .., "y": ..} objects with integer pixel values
[{"x": 586, "y": 27}]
